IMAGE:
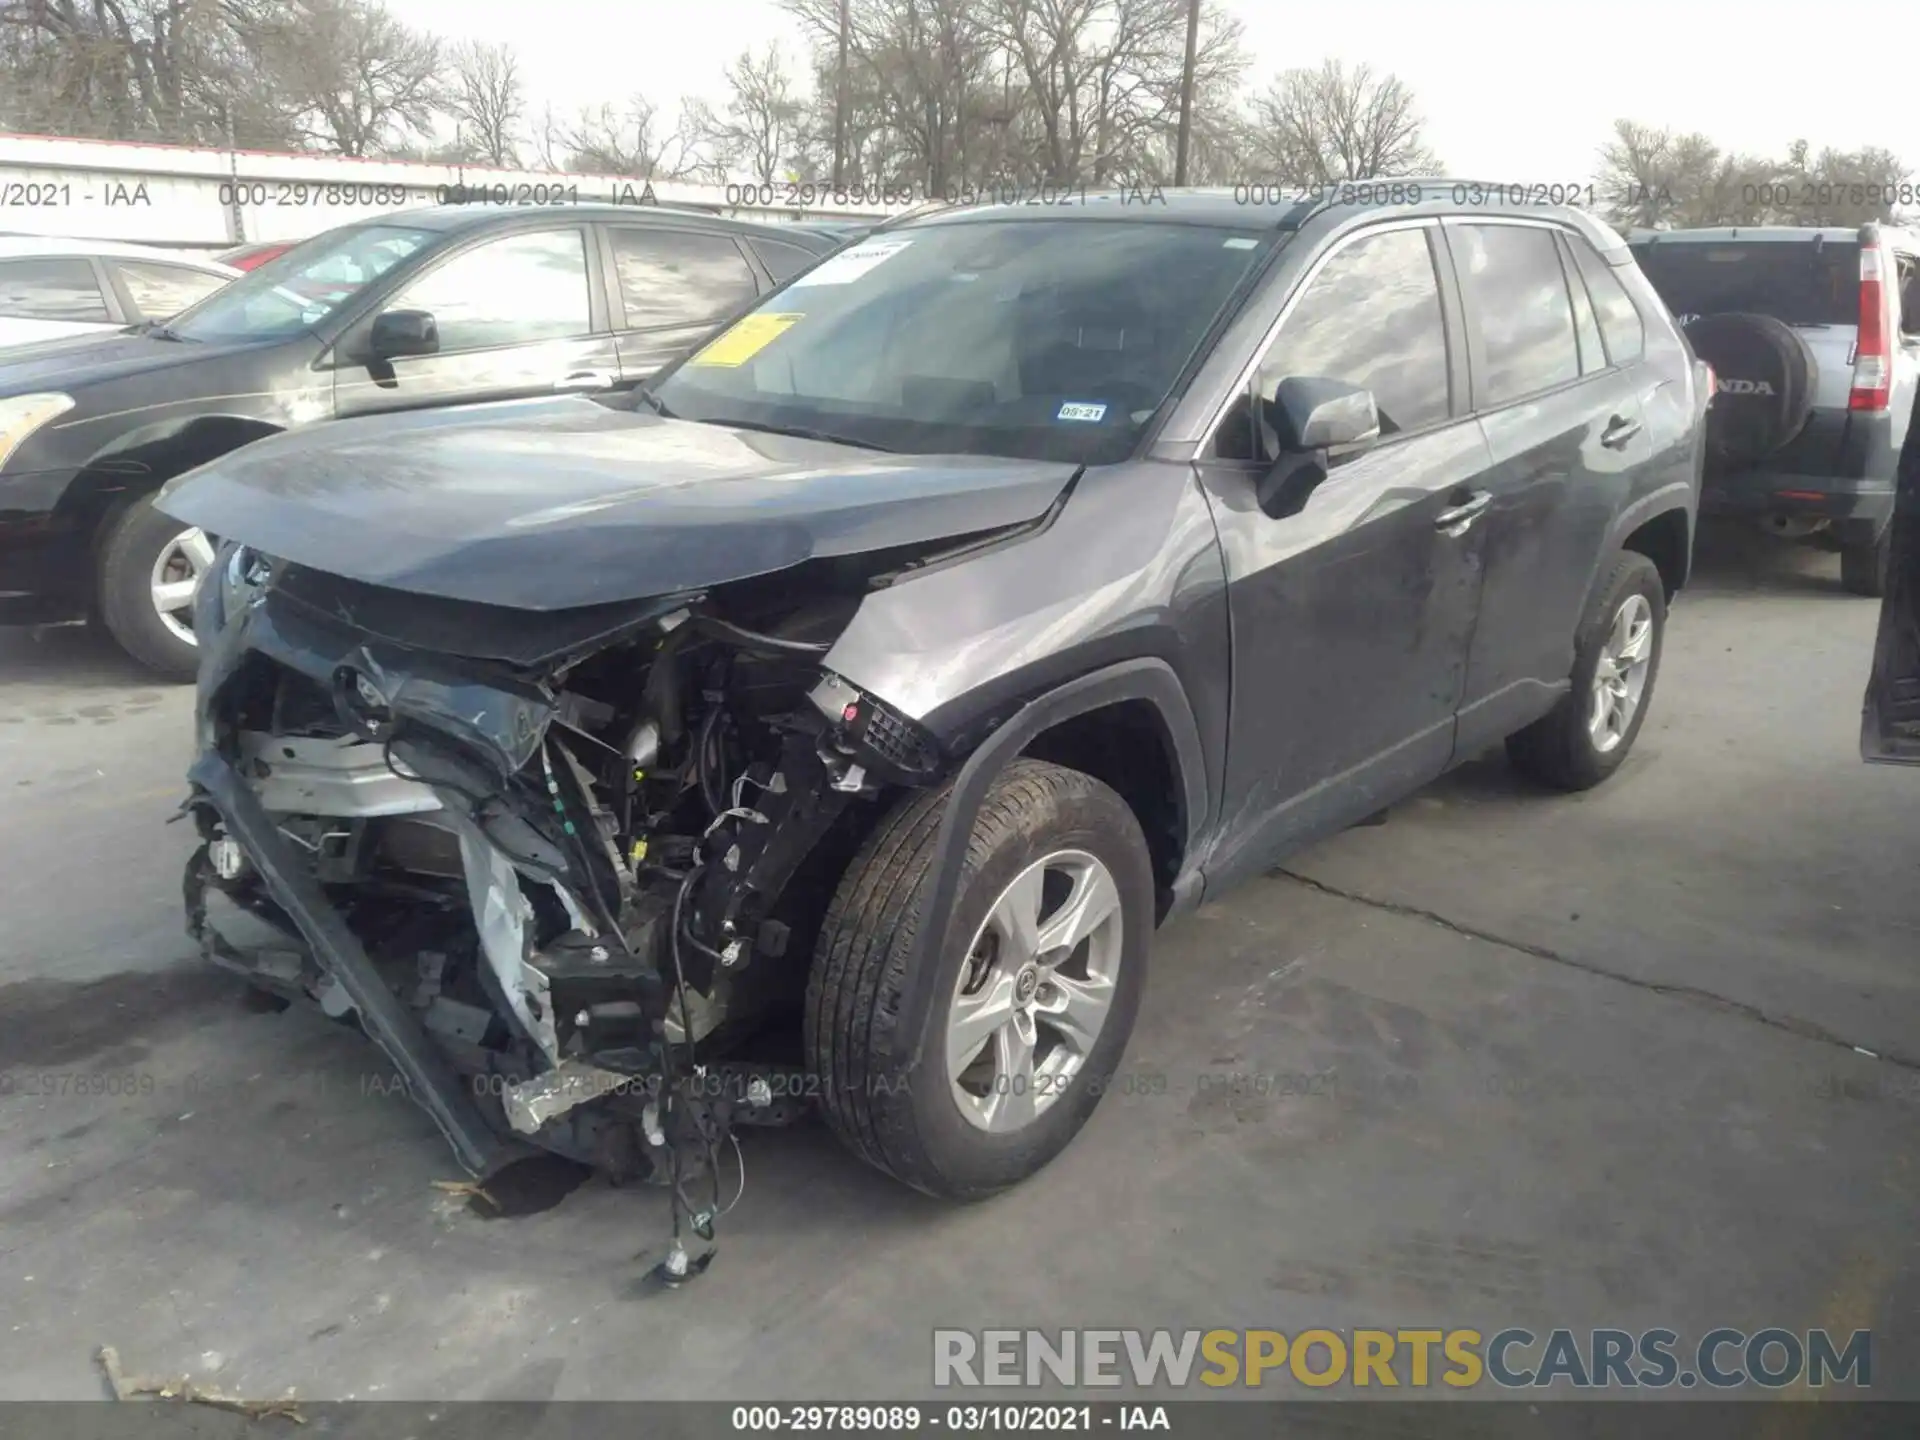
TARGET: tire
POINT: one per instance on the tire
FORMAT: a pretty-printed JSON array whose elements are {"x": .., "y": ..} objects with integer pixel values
[
  {"x": 1863, "y": 568},
  {"x": 908, "y": 1118},
  {"x": 1766, "y": 375},
  {"x": 1561, "y": 749},
  {"x": 131, "y": 546}
]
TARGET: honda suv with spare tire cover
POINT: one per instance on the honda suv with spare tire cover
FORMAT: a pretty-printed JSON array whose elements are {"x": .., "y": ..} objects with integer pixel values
[
  {"x": 419, "y": 309},
  {"x": 1813, "y": 336},
  {"x": 830, "y": 725}
]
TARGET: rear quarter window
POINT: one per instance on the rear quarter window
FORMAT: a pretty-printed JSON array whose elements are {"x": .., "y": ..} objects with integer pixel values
[{"x": 783, "y": 261}]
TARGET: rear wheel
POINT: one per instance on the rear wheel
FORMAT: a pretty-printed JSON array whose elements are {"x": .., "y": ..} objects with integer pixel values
[
  {"x": 1586, "y": 737},
  {"x": 1032, "y": 996},
  {"x": 150, "y": 565},
  {"x": 1863, "y": 568}
]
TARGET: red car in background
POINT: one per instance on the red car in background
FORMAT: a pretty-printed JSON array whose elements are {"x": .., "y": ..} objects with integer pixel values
[{"x": 248, "y": 257}]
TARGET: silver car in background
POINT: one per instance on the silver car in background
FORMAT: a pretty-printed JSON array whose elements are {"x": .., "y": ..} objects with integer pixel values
[
  {"x": 1814, "y": 339},
  {"x": 52, "y": 288}
]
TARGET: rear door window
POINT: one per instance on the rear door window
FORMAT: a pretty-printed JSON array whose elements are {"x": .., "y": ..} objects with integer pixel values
[
  {"x": 783, "y": 261},
  {"x": 1620, "y": 323},
  {"x": 1517, "y": 295},
  {"x": 1791, "y": 280},
  {"x": 679, "y": 277},
  {"x": 161, "y": 291},
  {"x": 1593, "y": 354},
  {"x": 55, "y": 288}
]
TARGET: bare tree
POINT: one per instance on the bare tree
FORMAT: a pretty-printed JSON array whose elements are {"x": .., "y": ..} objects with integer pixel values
[
  {"x": 486, "y": 100},
  {"x": 631, "y": 140},
  {"x": 353, "y": 77},
  {"x": 1656, "y": 178},
  {"x": 1104, "y": 80},
  {"x": 132, "y": 70},
  {"x": 1327, "y": 123},
  {"x": 1840, "y": 187},
  {"x": 759, "y": 132},
  {"x": 916, "y": 74}
]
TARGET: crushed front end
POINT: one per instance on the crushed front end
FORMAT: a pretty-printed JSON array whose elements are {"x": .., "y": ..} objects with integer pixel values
[{"x": 562, "y": 867}]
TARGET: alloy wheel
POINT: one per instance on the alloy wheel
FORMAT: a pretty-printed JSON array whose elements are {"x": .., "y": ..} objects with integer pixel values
[
  {"x": 1620, "y": 674},
  {"x": 1034, "y": 992},
  {"x": 176, "y": 575}
]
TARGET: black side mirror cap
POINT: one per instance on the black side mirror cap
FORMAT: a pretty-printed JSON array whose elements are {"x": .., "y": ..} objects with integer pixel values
[{"x": 399, "y": 333}]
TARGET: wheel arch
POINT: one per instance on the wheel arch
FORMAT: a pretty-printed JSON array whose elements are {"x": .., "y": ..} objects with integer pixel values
[
  {"x": 1665, "y": 538},
  {"x": 1141, "y": 699},
  {"x": 140, "y": 461}
]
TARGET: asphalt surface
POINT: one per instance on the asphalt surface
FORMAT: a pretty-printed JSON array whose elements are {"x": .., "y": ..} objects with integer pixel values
[{"x": 1509, "y": 1058}]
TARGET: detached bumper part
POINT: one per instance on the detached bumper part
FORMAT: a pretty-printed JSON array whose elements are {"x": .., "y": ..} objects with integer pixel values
[{"x": 430, "y": 1080}]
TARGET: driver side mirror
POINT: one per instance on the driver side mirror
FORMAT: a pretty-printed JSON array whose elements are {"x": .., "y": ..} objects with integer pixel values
[
  {"x": 400, "y": 333},
  {"x": 1309, "y": 412},
  {"x": 1301, "y": 419}
]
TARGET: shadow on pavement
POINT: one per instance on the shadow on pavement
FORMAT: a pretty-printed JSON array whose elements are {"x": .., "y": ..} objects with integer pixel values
[
  {"x": 76, "y": 656},
  {"x": 1731, "y": 557}
]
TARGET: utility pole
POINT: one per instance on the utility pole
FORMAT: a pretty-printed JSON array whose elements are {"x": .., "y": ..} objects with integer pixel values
[
  {"x": 840, "y": 99},
  {"x": 1186, "y": 94}
]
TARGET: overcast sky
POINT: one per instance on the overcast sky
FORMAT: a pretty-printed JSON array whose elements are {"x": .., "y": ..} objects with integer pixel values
[{"x": 1510, "y": 91}]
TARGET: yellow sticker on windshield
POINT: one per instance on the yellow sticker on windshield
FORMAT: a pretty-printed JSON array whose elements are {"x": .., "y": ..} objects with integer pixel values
[{"x": 747, "y": 339}]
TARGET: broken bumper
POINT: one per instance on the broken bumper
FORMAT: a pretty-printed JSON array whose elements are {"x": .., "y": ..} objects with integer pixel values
[{"x": 430, "y": 1078}]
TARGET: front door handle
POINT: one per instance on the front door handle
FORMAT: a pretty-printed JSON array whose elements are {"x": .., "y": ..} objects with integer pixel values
[
  {"x": 1458, "y": 519},
  {"x": 1618, "y": 432},
  {"x": 585, "y": 380}
]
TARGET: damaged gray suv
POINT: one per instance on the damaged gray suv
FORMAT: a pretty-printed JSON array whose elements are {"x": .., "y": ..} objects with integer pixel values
[{"x": 829, "y": 726}]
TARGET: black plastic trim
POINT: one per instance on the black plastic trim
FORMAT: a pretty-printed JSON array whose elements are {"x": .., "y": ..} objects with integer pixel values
[{"x": 1149, "y": 679}]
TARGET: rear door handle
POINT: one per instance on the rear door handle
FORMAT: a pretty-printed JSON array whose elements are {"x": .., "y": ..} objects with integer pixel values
[
  {"x": 585, "y": 380},
  {"x": 1457, "y": 519},
  {"x": 1618, "y": 432}
]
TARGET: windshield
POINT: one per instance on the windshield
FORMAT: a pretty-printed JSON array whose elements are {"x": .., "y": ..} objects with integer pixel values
[
  {"x": 293, "y": 292},
  {"x": 1790, "y": 280},
  {"x": 1037, "y": 339}
]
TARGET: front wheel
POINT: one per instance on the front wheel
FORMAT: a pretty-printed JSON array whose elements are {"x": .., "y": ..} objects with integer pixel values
[
  {"x": 1586, "y": 737},
  {"x": 1032, "y": 997},
  {"x": 150, "y": 565}
]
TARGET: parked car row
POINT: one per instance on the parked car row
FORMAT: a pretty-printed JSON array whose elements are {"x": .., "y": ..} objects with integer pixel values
[
  {"x": 426, "y": 309},
  {"x": 51, "y": 289}
]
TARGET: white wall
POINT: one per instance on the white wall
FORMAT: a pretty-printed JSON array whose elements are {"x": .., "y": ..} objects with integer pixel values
[{"x": 209, "y": 199}]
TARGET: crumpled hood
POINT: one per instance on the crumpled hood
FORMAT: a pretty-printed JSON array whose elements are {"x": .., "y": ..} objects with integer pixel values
[{"x": 556, "y": 504}]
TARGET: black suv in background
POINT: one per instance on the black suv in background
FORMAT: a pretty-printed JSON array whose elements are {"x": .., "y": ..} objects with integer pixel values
[
  {"x": 837, "y": 718},
  {"x": 422, "y": 308}
]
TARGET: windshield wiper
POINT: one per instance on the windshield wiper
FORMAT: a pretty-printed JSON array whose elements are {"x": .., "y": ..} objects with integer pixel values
[
  {"x": 653, "y": 402},
  {"x": 158, "y": 329},
  {"x": 800, "y": 432}
]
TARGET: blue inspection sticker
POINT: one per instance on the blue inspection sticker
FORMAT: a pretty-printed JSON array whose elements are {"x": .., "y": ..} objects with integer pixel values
[{"x": 1081, "y": 410}]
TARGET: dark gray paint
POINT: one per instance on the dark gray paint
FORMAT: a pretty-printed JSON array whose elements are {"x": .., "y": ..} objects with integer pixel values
[
  {"x": 1325, "y": 657},
  {"x": 555, "y": 504}
]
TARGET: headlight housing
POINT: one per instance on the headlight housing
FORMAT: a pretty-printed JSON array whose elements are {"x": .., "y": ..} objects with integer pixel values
[
  {"x": 233, "y": 582},
  {"x": 21, "y": 415}
]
